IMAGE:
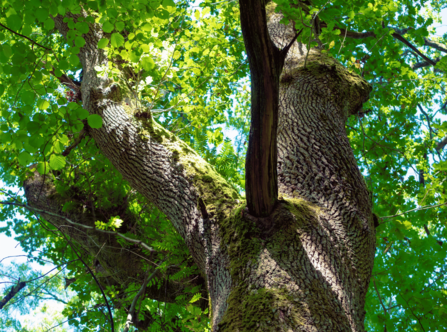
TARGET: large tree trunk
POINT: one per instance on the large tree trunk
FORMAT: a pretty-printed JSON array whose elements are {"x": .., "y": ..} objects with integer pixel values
[
  {"x": 304, "y": 267},
  {"x": 311, "y": 270}
]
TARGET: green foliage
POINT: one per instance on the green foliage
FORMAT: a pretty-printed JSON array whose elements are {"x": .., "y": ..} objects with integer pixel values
[{"x": 113, "y": 224}]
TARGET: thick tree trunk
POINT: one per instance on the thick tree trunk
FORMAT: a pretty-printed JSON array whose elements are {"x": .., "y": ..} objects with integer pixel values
[{"x": 304, "y": 267}]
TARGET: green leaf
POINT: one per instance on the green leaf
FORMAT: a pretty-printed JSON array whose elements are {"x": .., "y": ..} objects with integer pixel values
[
  {"x": 163, "y": 14},
  {"x": 24, "y": 158},
  {"x": 14, "y": 22},
  {"x": 49, "y": 24},
  {"x": 43, "y": 167},
  {"x": 57, "y": 147},
  {"x": 107, "y": 27},
  {"x": 82, "y": 27},
  {"x": 103, "y": 42},
  {"x": 117, "y": 40},
  {"x": 79, "y": 42},
  {"x": 7, "y": 51},
  {"x": 115, "y": 222},
  {"x": 134, "y": 56},
  {"x": 119, "y": 26},
  {"x": 82, "y": 113},
  {"x": 32, "y": 127},
  {"x": 168, "y": 3},
  {"x": 43, "y": 104},
  {"x": 195, "y": 298},
  {"x": 94, "y": 121},
  {"x": 57, "y": 162},
  {"x": 42, "y": 14},
  {"x": 147, "y": 63},
  {"x": 72, "y": 105}
]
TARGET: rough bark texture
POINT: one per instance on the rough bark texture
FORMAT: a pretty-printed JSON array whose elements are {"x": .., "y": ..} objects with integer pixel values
[{"x": 304, "y": 267}]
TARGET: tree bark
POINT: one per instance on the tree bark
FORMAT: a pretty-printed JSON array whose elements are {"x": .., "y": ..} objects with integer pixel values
[
  {"x": 304, "y": 266},
  {"x": 266, "y": 62}
]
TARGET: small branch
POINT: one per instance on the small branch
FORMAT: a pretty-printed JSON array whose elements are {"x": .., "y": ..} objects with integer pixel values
[
  {"x": 67, "y": 81},
  {"x": 97, "y": 282},
  {"x": 138, "y": 242},
  {"x": 135, "y": 300},
  {"x": 286, "y": 49},
  {"x": 356, "y": 35},
  {"x": 363, "y": 112},
  {"x": 423, "y": 64},
  {"x": 378, "y": 295},
  {"x": 428, "y": 120},
  {"x": 56, "y": 267},
  {"x": 397, "y": 35},
  {"x": 32, "y": 41},
  {"x": 417, "y": 318},
  {"x": 426, "y": 207},
  {"x": 75, "y": 143},
  {"x": 13, "y": 291},
  {"x": 343, "y": 42}
]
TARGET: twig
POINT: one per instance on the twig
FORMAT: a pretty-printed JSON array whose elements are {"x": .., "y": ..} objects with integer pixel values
[
  {"x": 135, "y": 300},
  {"x": 138, "y": 242},
  {"x": 52, "y": 270},
  {"x": 417, "y": 318},
  {"x": 32, "y": 41},
  {"x": 78, "y": 140},
  {"x": 378, "y": 295},
  {"x": 343, "y": 42},
  {"x": 426, "y": 207}
]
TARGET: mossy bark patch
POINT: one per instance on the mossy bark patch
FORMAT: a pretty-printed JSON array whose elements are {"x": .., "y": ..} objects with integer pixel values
[{"x": 250, "y": 307}]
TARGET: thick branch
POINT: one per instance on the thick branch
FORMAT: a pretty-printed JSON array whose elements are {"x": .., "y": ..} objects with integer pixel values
[
  {"x": 414, "y": 48},
  {"x": 161, "y": 167},
  {"x": 266, "y": 62},
  {"x": 12, "y": 292},
  {"x": 441, "y": 144},
  {"x": 435, "y": 45},
  {"x": 424, "y": 64}
]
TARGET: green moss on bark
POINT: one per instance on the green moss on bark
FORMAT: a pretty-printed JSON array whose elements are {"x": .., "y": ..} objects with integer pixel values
[
  {"x": 262, "y": 309},
  {"x": 217, "y": 194}
]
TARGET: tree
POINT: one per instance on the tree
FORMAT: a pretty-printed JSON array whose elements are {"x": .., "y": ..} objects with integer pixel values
[{"x": 102, "y": 177}]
